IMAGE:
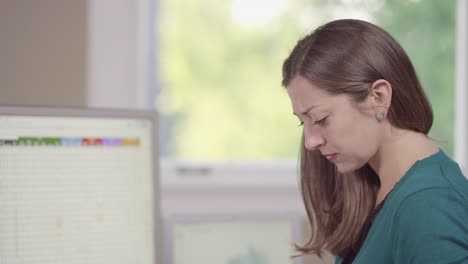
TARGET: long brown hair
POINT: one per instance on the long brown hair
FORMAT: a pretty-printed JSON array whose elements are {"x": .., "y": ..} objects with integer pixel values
[{"x": 347, "y": 56}]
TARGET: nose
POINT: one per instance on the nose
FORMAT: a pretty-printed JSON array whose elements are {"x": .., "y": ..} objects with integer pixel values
[{"x": 313, "y": 139}]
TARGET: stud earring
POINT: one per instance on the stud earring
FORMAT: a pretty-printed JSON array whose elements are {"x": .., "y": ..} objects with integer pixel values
[{"x": 380, "y": 116}]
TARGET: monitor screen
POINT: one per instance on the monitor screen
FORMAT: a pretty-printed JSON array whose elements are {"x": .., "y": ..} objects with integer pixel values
[
  {"x": 236, "y": 239},
  {"x": 78, "y": 186}
]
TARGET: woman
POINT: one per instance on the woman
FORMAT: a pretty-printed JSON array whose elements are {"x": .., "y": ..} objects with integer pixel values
[{"x": 376, "y": 188}]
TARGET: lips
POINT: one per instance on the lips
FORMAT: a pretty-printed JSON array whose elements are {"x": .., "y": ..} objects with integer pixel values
[{"x": 331, "y": 156}]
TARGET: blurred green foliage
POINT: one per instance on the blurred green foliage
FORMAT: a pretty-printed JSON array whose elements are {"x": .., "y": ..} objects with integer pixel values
[
  {"x": 222, "y": 98},
  {"x": 426, "y": 30}
]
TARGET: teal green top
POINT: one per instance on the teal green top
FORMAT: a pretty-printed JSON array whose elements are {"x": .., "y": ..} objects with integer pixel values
[{"x": 424, "y": 218}]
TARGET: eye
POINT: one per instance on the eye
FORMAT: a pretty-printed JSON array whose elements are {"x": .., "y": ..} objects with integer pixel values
[
  {"x": 321, "y": 121},
  {"x": 301, "y": 124}
]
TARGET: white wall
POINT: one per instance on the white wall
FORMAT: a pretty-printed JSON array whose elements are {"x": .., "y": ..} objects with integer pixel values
[{"x": 119, "y": 57}]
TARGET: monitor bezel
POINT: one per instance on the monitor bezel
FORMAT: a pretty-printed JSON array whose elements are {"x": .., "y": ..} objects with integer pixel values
[{"x": 149, "y": 115}]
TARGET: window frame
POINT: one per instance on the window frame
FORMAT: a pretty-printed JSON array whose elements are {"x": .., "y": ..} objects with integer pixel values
[
  {"x": 143, "y": 86},
  {"x": 461, "y": 95}
]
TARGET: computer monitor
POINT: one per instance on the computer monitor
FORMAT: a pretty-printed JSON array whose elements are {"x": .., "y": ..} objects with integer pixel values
[
  {"x": 239, "y": 238},
  {"x": 78, "y": 186}
]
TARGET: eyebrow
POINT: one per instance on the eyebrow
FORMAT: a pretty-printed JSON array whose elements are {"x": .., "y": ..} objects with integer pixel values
[{"x": 306, "y": 111}]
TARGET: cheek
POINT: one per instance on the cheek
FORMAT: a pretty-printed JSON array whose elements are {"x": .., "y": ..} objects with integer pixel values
[
  {"x": 348, "y": 130},
  {"x": 354, "y": 135}
]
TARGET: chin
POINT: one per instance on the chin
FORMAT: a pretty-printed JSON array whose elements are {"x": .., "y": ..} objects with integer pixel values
[
  {"x": 347, "y": 168},
  {"x": 345, "y": 171}
]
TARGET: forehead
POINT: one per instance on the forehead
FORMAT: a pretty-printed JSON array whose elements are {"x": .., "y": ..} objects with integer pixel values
[{"x": 304, "y": 94}]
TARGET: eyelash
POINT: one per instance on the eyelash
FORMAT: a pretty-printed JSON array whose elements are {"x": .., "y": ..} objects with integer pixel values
[
  {"x": 321, "y": 121},
  {"x": 318, "y": 122}
]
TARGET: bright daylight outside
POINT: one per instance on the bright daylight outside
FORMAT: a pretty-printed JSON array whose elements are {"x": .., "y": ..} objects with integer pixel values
[{"x": 220, "y": 66}]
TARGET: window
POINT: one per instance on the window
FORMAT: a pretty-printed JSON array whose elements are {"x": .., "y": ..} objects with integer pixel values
[{"x": 220, "y": 66}]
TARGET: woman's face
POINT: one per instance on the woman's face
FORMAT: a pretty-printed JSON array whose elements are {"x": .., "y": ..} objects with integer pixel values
[{"x": 345, "y": 133}]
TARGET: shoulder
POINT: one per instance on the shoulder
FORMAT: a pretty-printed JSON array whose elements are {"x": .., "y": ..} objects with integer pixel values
[
  {"x": 436, "y": 176},
  {"x": 430, "y": 227},
  {"x": 436, "y": 201}
]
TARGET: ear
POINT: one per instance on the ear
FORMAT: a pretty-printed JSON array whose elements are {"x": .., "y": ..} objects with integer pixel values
[{"x": 381, "y": 94}]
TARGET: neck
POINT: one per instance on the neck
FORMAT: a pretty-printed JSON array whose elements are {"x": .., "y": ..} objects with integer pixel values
[{"x": 398, "y": 152}]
